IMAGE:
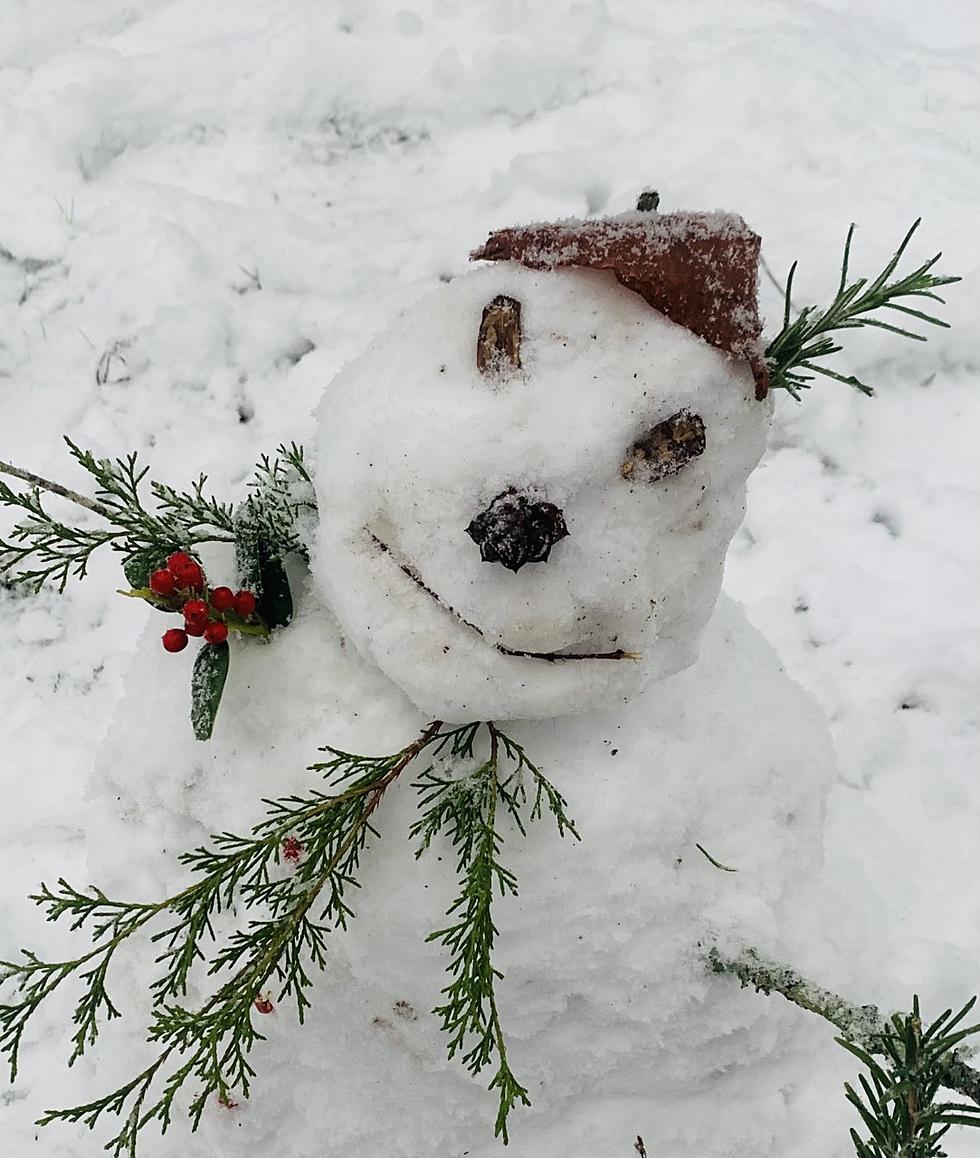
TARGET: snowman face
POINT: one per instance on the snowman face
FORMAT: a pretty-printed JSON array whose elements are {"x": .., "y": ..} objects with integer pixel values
[{"x": 527, "y": 541}]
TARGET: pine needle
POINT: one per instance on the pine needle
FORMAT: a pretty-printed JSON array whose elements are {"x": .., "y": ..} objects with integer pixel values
[{"x": 795, "y": 355}]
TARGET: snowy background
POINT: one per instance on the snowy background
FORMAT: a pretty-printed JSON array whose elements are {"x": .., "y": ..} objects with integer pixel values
[{"x": 205, "y": 210}]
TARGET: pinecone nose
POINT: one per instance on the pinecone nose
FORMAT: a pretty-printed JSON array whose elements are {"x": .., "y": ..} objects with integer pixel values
[{"x": 515, "y": 530}]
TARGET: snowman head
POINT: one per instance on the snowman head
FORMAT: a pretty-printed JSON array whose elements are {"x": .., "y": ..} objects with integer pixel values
[{"x": 528, "y": 484}]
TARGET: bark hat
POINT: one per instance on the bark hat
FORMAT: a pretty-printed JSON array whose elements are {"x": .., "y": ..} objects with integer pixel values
[{"x": 701, "y": 270}]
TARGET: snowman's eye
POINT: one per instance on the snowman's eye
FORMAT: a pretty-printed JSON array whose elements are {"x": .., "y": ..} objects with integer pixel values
[
  {"x": 498, "y": 343},
  {"x": 665, "y": 448}
]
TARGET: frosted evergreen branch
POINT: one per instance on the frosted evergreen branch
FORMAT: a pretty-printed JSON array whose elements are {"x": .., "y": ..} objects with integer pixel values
[
  {"x": 40, "y": 483},
  {"x": 467, "y": 809},
  {"x": 860, "y": 1025},
  {"x": 41, "y": 548},
  {"x": 280, "y": 492},
  {"x": 44, "y": 549},
  {"x": 193, "y": 510},
  {"x": 795, "y": 354}
]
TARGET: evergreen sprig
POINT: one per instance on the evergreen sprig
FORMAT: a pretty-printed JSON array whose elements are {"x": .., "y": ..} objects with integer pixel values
[
  {"x": 898, "y": 1099},
  {"x": 793, "y": 355},
  {"x": 281, "y": 491},
  {"x": 291, "y": 915},
  {"x": 467, "y": 808},
  {"x": 45, "y": 549},
  {"x": 189, "y": 512}
]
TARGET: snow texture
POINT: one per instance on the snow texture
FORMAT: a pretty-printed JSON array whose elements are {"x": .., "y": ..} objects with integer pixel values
[{"x": 205, "y": 212}]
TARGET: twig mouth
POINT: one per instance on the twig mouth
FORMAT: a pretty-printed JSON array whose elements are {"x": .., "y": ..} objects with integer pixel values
[{"x": 410, "y": 572}]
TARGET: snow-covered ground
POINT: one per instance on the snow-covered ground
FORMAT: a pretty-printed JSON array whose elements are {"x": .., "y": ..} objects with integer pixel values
[{"x": 206, "y": 210}]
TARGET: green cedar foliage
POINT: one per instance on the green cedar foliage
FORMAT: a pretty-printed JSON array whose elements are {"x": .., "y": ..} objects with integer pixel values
[
  {"x": 290, "y": 917},
  {"x": 44, "y": 549}
]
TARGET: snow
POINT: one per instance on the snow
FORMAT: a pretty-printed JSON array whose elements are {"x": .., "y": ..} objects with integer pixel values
[{"x": 161, "y": 162}]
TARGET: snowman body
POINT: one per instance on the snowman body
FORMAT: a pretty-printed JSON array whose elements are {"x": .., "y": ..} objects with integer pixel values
[{"x": 660, "y": 714}]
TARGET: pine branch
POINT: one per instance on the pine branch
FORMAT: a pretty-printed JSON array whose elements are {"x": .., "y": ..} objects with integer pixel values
[
  {"x": 796, "y": 351},
  {"x": 279, "y": 946},
  {"x": 898, "y": 1106},
  {"x": 467, "y": 809}
]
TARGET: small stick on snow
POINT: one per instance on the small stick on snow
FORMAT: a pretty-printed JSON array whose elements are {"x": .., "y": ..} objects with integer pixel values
[
  {"x": 55, "y": 488},
  {"x": 717, "y": 863},
  {"x": 861, "y": 1024}
]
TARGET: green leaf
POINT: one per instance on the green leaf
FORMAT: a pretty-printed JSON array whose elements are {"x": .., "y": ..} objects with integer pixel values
[
  {"x": 276, "y": 603},
  {"x": 139, "y": 566},
  {"x": 263, "y": 573},
  {"x": 207, "y": 684}
]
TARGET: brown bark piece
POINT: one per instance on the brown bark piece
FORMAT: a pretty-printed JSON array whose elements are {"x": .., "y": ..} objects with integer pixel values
[
  {"x": 498, "y": 346},
  {"x": 666, "y": 448},
  {"x": 701, "y": 270}
]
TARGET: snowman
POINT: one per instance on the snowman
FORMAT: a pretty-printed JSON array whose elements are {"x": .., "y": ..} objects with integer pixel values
[{"x": 526, "y": 489}]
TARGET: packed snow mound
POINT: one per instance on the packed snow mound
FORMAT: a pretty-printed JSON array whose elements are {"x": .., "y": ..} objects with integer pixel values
[
  {"x": 611, "y": 1019},
  {"x": 416, "y": 443}
]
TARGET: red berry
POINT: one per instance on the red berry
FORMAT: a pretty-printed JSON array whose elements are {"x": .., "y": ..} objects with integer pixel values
[
  {"x": 291, "y": 848},
  {"x": 189, "y": 575},
  {"x": 226, "y": 1103},
  {"x": 195, "y": 616},
  {"x": 163, "y": 583},
  {"x": 222, "y": 599},
  {"x": 245, "y": 603},
  {"x": 175, "y": 639},
  {"x": 196, "y": 611},
  {"x": 215, "y": 632},
  {"x": 263, "y": 1004},
  {"x": 177, "y": 560}
]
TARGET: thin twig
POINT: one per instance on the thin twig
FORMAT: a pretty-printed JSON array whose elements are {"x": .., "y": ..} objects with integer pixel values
[
  {"x": 55, "y": 488},
  {"x": 413, "y": 750},
  {"x": 861, "y": 1024}
]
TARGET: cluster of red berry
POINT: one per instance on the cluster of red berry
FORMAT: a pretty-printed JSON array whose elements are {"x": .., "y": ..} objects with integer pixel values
[{"x": 182, "y": 584}]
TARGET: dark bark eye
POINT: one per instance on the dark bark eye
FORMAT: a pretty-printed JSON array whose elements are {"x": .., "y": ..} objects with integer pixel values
[
  {"x": 665, "y": 448},
  {"x": 498, "y": 344}
]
